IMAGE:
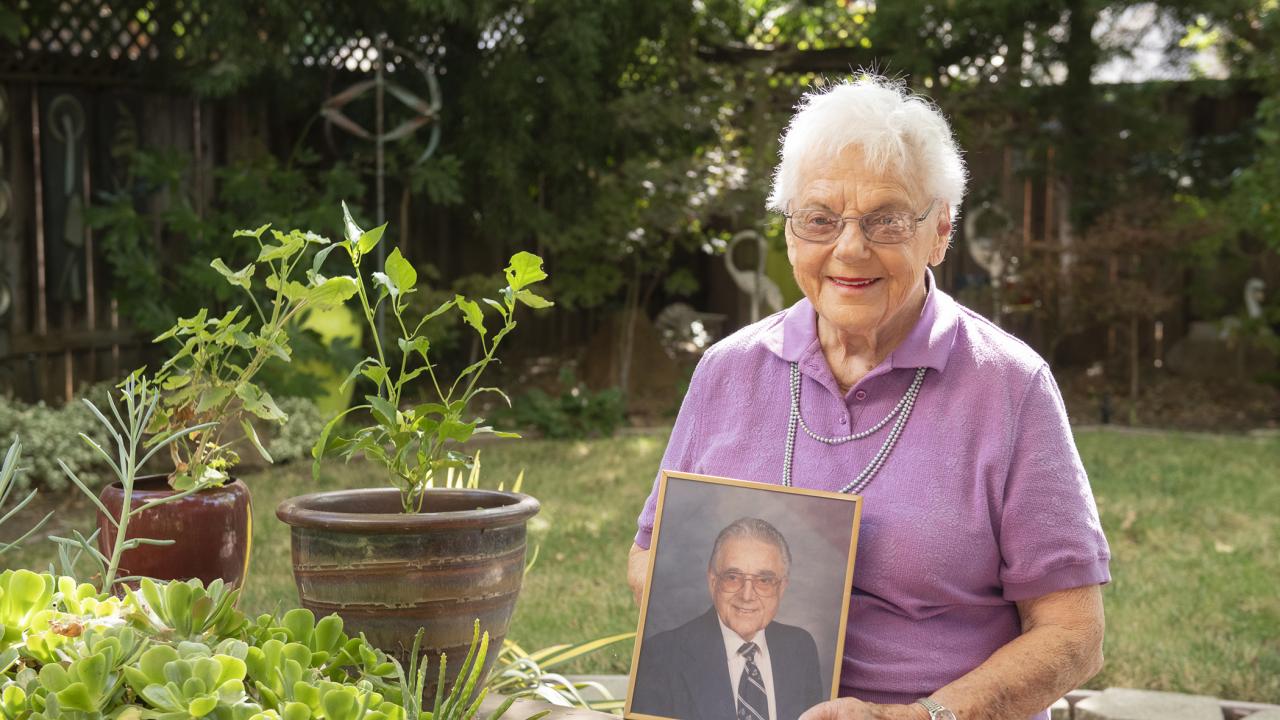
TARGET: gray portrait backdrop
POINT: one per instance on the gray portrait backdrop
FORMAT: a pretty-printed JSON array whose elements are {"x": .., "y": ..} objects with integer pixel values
[{"x": 817, "y": 531}]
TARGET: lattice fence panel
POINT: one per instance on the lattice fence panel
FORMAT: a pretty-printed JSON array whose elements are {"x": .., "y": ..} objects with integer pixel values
[{"x": 102, "y": 38}]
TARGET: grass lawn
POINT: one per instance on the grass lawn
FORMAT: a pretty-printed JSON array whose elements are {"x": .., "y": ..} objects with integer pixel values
[{"x": 1194, "y": 524}]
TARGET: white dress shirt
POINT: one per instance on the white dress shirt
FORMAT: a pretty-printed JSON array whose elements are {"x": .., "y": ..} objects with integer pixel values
[{"x": 738, "y": 663}]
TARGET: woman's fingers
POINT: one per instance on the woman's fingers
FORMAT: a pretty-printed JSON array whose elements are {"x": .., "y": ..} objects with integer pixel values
[{"x": 838, "y": 709}]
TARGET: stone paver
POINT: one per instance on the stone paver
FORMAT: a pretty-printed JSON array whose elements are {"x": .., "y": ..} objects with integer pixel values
[{"x": 1127, "y": 704}]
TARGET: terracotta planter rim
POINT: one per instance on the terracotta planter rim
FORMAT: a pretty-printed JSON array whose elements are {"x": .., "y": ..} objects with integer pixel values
[
  {"x": 300, "y": 512},
  {"x": 116, "y": 485}
]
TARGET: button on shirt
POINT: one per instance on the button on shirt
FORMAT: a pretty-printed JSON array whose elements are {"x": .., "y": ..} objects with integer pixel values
[
  {"x": 738, "y": 663},
  {"x": 982, "y": 503}
]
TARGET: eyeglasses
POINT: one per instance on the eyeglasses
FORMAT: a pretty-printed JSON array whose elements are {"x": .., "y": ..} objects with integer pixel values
[
  {"x": 888, "y": 227},
  {"x": 733, "y": 581}
]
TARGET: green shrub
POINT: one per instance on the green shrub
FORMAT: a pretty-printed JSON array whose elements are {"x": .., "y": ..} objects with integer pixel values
[
  {"x": 294, "y": 439},
  {"x": 576, "y": 412},
  {"x": 50, "y": 434}
]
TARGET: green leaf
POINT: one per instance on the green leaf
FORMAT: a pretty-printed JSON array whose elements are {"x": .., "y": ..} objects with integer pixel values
[
  {"x": 376, "y": 373},
  {"x": 325, "y": 444},
  {"x": 252, "y": 435},
  {"x": 525, "y": 269},
  {"x": 332, "y": 292},
  {"x": 353, "y": 230},
  {"x": 173, "y": 382},
  {"x": 401, "y": 272},
  {"x": 502, "y": 309},
  {"x": 471, "y": 313},
  {"x": 212, "y": 398},
  {"x": 259, "y": 402},
  {"x": 257, "y": 234},
  {"x": 288, "y": 247},
  {"x": 533, "y": 300},
  {"x": 430, "y": 409},
  {"x": 319, "y": 259},
  {"x": 420, "y": 344},
  {"x": 293, "y": 291},
  {"x": 385, "y": 285},
  {"x": 383, "y": 410},
  {"x": 239, "y": 278},
  {"x": 369, "y": 239},
  {"x": 355, "y": 371},
  {"x": 456, "y": 430},
  {"x": 444, "y": 306}
]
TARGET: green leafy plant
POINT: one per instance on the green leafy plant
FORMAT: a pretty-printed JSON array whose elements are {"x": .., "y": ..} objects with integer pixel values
[
  {"x": 576, "y": 412},
  {"x": 418, "y": 445},
  {"x": 294, "y": 438},
  {"x": 186, "y": 610},
  {"x": 92, "y": 682},
  {"x": 140, "y": 400},
  {"x": 186, "y": 683},
  {"x": 73, "y": 653},
  {"x": 521, "y": 673},
  {"x": 462, "y": 702},
  {"x": 210, "y": 377}
]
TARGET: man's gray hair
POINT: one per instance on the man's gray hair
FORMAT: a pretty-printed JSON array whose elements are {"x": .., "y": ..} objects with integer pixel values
[
  {"x": 755, "y": 529},
  {"x": 898, "y": 131}
]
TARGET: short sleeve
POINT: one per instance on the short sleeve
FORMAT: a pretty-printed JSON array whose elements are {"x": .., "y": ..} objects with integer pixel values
[
  {"x": 1050, "y": 536},
  {"x": 681, "y": 451}
]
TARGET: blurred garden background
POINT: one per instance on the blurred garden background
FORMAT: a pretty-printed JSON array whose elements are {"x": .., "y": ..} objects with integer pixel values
[{"x": 1123, "y": 218}]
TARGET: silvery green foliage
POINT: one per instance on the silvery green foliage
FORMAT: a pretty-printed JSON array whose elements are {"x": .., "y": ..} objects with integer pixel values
[
  {"x": 294, "y": 439},
  {"x": 10, "y": 504}
]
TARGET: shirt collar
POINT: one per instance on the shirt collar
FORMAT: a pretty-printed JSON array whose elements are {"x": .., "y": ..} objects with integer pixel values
[
  {"x": 927, "y": 345},
  {"x": 733, "y": 641}
]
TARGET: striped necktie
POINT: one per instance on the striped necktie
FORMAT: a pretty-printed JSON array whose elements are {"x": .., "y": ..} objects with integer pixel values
[{"x": 753, "y": 704}]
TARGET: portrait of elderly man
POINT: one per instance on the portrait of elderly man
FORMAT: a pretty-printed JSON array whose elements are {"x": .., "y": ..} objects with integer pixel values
[
  {"x": 734, "y": 660},
  {"x": 976, "y": 591}
]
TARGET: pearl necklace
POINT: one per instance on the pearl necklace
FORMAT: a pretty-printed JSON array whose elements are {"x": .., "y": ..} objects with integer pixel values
[{"x": 901, "y": 411}]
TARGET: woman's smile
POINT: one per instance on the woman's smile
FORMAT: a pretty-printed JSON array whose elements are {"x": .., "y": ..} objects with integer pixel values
[{"x": 853, "y": 285}]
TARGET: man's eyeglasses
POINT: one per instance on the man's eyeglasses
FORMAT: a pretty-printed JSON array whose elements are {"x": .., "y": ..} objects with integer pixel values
[
  {"x": 733, "y": 581},
  {"x": 887, "y": 227}
]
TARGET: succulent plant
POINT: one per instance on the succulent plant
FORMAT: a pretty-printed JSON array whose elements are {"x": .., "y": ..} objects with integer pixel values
[
  {"x": 197, "y": 685},
  {"x": 23, "y": 594},
  {"x": 186, "y": 610}
]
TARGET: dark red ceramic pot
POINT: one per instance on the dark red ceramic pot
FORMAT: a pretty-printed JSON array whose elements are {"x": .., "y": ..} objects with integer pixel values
[
  {"x": 388, "y": 573},
  {"x": 211, "y": 530}
]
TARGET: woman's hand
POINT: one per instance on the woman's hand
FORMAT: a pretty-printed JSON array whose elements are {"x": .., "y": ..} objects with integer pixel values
[
  {"x": 637, "y": 570},
  {"x": 851, "y": 709}
]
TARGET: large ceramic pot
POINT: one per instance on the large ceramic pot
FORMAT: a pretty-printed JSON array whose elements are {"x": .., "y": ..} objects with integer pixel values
[
  {"x": 212, "y": 532},
  {"x": 388, "y": 573}
]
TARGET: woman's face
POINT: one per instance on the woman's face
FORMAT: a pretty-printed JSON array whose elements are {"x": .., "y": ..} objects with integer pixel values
[{"x": 856, "y": 286}]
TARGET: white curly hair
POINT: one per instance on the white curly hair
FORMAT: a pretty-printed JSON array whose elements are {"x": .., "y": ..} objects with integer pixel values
[{"x": 897, "y": 130}]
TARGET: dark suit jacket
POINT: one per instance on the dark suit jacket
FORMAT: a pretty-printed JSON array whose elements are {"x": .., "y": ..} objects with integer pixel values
[{"x": 684, "y": 673}]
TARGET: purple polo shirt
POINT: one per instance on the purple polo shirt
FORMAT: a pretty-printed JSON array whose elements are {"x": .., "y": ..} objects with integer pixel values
[{"x": 983, "y": 502}]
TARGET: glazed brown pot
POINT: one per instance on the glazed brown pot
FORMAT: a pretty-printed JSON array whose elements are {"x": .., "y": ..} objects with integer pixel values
[
  {"x": 212, "y": 532},
  {"x": 388, "y": 573}
]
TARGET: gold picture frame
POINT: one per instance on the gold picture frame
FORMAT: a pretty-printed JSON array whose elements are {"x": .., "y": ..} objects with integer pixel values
[{"x": 822, "y": 525}]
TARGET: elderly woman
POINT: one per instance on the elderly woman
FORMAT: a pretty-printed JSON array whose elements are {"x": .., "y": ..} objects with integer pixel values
[{"x": 976, "y": 591}]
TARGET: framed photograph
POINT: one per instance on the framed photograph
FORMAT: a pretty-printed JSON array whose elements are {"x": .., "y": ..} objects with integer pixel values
[{"x": 744, "y": 611}]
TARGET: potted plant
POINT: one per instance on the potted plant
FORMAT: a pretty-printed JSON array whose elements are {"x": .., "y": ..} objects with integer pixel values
[
  {"x": 70, "y": 650},
  {"x": 209, "y": 383},
  {"x": 415, "y": 554}
]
